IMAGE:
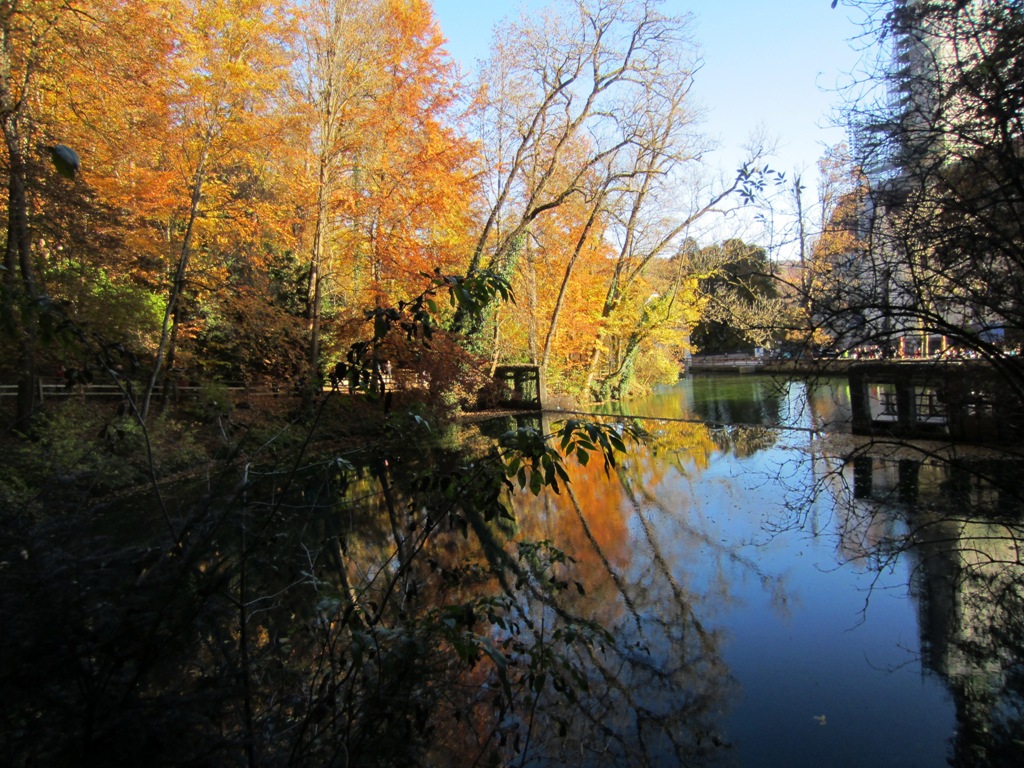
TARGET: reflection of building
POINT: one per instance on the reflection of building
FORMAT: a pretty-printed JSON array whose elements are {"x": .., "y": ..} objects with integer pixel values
[
  {"x": 969, "y": 584},
  {"x": 971, "y": 608}
]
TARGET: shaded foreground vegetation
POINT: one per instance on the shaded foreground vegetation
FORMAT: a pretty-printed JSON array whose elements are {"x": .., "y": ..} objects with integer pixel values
[{"x": 372, "y": 605}]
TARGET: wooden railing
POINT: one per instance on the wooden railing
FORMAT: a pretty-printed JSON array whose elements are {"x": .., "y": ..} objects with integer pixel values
[{"x": 48, "y": 390}]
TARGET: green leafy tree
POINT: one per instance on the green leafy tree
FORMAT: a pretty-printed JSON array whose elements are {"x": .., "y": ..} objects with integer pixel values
[{"x": 739, "y": 287}]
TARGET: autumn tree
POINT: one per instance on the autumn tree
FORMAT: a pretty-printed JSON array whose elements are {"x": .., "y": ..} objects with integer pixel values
[
  {"x": 74, "y": 82},
  {"x": 560, "y": 274},
  {"x": 229, "y": 60},
  {"x": 551, "y": 86},
  {"x": 813, "y": 249},
  {"x": 335, "y": 68},
  {"x": 834, "y": 262},
  {"x": 649, "y": 228},
  {"x": 26, "y": 46},
  {"x": 392, "y": 187},
  {"x": 586, "y": 113}
]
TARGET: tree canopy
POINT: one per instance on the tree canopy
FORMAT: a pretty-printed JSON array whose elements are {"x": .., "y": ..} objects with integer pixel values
[{"x": 223, "y": 189}]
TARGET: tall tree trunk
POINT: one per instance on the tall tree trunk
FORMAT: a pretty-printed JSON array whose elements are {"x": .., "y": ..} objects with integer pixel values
[
  {"x": 21, "y": 299},
  {"x": 581, "y": 243},
  {"x": 20, "y": 292},
  {"x": 168, "y": 333},
  {"x": 314, "y": 301},
  {"x": 805, "y": 277},
  {"x": 532, "y": 340}
]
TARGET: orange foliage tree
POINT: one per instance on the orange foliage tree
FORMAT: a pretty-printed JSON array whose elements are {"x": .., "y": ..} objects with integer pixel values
[
  {"x": 393, "y": 185},
  {"x": 227, "y": 80},
  {"x": 78, "y": 75}
]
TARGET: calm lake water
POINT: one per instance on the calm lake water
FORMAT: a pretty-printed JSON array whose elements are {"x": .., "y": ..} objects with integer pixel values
[
  {"x": 798, "y": 609},
  {"x": 749, "y": 586}
]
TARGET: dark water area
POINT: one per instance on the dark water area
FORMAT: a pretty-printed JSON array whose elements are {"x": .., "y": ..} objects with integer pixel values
[{"x": 749, "y": 585}]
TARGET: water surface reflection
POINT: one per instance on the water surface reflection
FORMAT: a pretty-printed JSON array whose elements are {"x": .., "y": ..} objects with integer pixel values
[
  {"x": 791, "y": 602},
  {"x": 751, "y": 586}
]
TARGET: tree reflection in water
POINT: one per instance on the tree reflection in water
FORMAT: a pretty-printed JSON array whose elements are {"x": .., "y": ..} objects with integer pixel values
[
  {"x": 385, "y": 612},
  {"x": 569, "y": 656}
]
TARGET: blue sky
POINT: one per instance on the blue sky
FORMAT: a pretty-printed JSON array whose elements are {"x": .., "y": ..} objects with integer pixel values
[{"x": 766, "y": 62}]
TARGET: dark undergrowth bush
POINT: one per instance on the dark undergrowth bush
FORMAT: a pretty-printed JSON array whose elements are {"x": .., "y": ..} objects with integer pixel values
[{"x": 364, "y": 607}]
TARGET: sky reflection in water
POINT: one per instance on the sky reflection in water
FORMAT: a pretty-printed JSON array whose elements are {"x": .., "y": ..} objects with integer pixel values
[{"x": 776, "y": 594}]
